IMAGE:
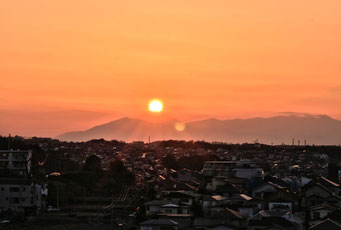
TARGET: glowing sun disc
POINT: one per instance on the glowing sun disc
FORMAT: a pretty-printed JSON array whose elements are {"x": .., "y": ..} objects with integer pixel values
[{"x": 155, "y": 106}]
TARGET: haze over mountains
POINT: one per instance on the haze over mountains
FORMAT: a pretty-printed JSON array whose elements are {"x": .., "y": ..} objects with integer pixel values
[{"x": 318, "y": 130}]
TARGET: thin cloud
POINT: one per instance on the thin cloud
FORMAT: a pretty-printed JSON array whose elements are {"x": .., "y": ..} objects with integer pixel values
[{"x": 335, "y": 90}]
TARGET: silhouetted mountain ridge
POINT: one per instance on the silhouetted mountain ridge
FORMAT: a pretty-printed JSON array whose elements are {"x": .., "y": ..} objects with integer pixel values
[{"x": 320, "y": 130}]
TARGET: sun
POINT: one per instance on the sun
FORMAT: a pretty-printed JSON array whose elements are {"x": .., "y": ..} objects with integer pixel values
[{"x": 155, "y": 106}]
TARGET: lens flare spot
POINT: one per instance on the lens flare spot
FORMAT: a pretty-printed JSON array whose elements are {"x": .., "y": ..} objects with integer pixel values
[{"x": 180, "y": 126}]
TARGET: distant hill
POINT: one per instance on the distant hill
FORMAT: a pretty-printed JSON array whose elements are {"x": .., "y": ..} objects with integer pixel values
[{"x": 318, "y": 130}]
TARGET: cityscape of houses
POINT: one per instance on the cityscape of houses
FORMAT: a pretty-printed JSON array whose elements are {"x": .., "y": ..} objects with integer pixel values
[{"x": 49, "y": 184}]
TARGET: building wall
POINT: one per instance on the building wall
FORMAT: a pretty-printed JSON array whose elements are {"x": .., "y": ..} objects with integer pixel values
[
  {"x": 16, "y": 160},
  {"x": 170, "y": 210},
  {"x": 152, "y": 209},
  {"x": 221, "y": 228},
  {"x": 247, "y": 212},
  {"x": 213, "y": 184},
  {"x": 150, "y": 228},
  {"x": 17, "y": 197},
  {"x": 16, "y": 192},
  {"x": 248, "y": 172},
  {"x": 322, "y": 213},
  {"x": 260, "y": 190},
  {"x": 317, "y": 191}
]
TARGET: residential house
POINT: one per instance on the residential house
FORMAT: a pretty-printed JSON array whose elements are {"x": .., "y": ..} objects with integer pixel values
[
  {"x": 320, "y": 211},
  {"x": 326, "y": 224},
  {"x": 279, "y": 219},
  {"x": 266, "y": 188},
  {"x": 154, "y": 207},
  {"x": 282, "y": 199},
  {"x": 209, "y": 202},
  {"x": 159, "y": 224},
  {"x": 226, "y": 219}
]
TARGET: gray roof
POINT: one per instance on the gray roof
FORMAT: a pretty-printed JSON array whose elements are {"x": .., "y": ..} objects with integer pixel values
[
  {"x": 331, "y": 183},
  {"x": 219, "y": 198},
  {"x": 227, "y": 214},
  {"x": 268, "y": 213},
  {"x": 323, "y": 206},
  {"x": 163, "y": 222},
  {"x": 157, "y": 202},
  {"x": 174, "y": 215},
  {"x": 326, "y": 224},
  {"x": 240, "y": 197},
  {"x": 207, "y": 222},
  {"x": 214, "y": 198},
  {"x": 170, "y": 205}
]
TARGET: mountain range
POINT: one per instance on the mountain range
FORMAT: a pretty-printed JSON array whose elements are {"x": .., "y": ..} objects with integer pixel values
[{"x": 318, "y": 130}]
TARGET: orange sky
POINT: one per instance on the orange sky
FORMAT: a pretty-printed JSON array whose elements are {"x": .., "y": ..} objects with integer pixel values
[{"x": 71, "y": 64}]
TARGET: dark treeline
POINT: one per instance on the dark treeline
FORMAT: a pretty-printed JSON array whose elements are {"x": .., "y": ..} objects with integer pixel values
[
  {"x": 195, "y": 163},
  {"x": 18, "y": 142},
  {"x": 330, "y": 150}
]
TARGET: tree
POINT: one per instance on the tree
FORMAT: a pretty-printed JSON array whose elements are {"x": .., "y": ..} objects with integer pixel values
[
  {"x": 117, "y": 167},
  {"x": 196, "y": 208},
  {"x": 92, "y": 164},
  {"x": 170, "y": 162},
  {"x": 120, "y": 173}
]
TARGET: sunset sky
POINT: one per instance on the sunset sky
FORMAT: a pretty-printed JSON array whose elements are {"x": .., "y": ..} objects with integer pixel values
[{"x": 71, "y": 64}]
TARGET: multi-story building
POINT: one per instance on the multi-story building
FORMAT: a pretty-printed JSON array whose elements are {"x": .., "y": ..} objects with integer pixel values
[
  {"x": 18, "y": 192},
  {"x": 226, "y": 169},
  {"x": 17, "y": 162}
]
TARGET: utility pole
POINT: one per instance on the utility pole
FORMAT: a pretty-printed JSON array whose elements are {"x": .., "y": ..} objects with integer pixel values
[
  {"x": 84, "y": 195},
  {"x": 112, "y": 210},
  {"x": 57, "y": 196}
]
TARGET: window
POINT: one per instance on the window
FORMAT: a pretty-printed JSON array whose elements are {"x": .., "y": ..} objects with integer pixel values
[
  {"x": 14, "y": 200},
  {"x": 14, "y": 189}
]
